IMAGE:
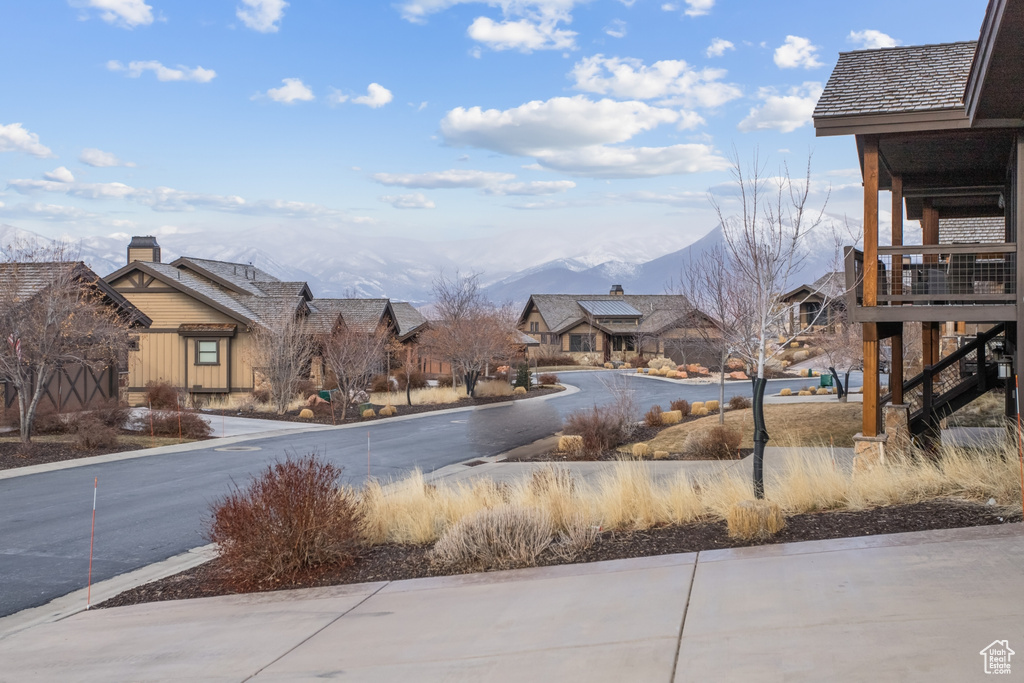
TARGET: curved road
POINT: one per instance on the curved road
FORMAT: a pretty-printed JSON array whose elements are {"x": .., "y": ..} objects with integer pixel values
[{"x": 156, "y": 507}]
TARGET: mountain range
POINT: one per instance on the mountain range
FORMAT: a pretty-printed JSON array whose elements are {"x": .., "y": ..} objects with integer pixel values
[{"x": 362, "y": 266}]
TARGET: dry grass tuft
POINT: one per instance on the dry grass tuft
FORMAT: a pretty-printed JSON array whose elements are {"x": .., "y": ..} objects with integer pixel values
[
  {"x": 758, "y": 519},
  {"x": 501, "y": 538},
  {"x": 661, "y": 455},
  {"x": 306, "y": 414},
  {"x": 519, "y": 390},
  {"x": 388, "y": 411},
  {"x": 571, "y": 444},
  {"x": 786, "y": 392},
  {"x": 641, "y": 450},
  {"x": 712, "y": 406},
  {"x": 368, "y": 413}
]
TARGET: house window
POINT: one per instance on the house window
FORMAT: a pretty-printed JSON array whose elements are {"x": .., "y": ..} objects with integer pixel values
[
  {"x": 534, "y": 327},
  {"x": 619, "y": 343},
  {"x": 582, "y": 342},
  {"x": 207, "y": 352}
]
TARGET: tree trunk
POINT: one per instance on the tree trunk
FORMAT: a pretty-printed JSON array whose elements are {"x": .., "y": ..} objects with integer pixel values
[
  {"x": 846, "y": 396},
  {"x": 721, "y": 388},
  {"x": 760, "y": 436},
  {"x": 471, "y": 378},
  {"x": 408, "y": 390},
  {"x": 840, "y": 391}
]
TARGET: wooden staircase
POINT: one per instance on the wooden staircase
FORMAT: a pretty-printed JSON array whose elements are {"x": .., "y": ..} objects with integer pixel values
[{"x": 956, "y": 380}]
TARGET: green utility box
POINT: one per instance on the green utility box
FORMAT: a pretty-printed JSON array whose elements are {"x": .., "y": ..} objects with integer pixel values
[
  {"x": 325, "y": 395},
  {"x": 826, "y": 380}
]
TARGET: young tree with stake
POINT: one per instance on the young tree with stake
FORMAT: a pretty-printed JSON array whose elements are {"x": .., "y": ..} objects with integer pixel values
[{"x": 762, "y": 239}]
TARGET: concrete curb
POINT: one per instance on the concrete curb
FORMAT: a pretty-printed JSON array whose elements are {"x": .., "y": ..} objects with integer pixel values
[
  {"x": 221, "y": 442},
  {"x": 75, "y": 602}
]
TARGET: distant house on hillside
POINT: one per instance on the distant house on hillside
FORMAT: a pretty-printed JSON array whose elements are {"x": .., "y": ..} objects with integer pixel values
[
  {"x": 597, "y": 328},
  {"x": 204, "y": 313}
]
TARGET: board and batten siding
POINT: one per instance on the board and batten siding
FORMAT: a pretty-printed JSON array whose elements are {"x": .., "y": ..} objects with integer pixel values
[{"x": 170, "y": 309}]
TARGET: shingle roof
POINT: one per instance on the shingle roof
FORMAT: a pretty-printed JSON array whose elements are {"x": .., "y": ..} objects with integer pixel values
[
  {"x": 407, "y": 318},
  {"x": 657, "y": 311},
  {"x": 360, "y": 314},
  {"x": 898, "y": 80},
  {"x": 25, "y": 280},
  {"x": 972, "y": 230},
  {"x": 241, "y": 275},
  {"x": 205, "y": 288}
]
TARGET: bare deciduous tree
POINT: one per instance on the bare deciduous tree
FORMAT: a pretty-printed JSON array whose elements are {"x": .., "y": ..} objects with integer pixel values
[
  {"x": 354, "y": 356},
  {"x": 282, "y": 352},
  {"x": 711, "y": 292},
  {"x": 52, "y": 314},
  {"x": 764, "y": 252},
  {"x": 469, "y": 332}
]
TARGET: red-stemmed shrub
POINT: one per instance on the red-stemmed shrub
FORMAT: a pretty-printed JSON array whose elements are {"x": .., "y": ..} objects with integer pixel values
[
  {"x": 292, "y": 520},
  {"x": 682, "y": 405},
  {"x": 548, "y": 378}
]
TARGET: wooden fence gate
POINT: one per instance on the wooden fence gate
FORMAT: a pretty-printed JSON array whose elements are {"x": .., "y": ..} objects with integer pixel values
[{"x": 71, "y": 388}]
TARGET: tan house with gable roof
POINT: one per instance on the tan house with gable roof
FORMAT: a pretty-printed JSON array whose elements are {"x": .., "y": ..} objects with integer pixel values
[{"x": 204, "y": 312}]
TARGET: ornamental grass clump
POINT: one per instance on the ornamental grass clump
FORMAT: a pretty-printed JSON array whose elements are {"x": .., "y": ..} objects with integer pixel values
[
  {"x": 291, "y": 520},
  {"x": 505, "y": 537}
]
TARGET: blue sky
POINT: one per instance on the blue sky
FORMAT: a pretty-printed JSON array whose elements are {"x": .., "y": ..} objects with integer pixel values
[{"x": 425, "y": 119}]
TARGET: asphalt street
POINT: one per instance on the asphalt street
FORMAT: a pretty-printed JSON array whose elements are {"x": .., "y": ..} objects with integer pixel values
[{"x": 156, "y": 507}]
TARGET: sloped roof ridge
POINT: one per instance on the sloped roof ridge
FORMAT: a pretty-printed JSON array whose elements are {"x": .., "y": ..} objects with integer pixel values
[{"x": 910, "y": 47}]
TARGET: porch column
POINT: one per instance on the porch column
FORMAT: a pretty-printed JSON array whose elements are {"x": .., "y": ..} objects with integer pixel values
[
  {"x": 872, "y": 416},
  {"x": 896, "y": 362},
  {"x": 931, "y": 333}
]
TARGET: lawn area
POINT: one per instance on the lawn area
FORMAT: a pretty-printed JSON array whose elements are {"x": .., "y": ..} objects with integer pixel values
[
  {"x": 136, "y": 441},
  {"x": 798, "y": 424}
]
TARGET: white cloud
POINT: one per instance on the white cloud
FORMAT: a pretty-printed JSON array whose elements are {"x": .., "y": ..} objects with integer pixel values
[
  {"x": 261, "y": 15},
  {"x": 784, "y": 113},
  {"x": 91, "y": 156},
  {"x": 14, "y": 138},
  {"x": 718, "y": 47},
  {"x": 574, "y": 135},
  {"x": 525, "y": 25},
  {"x": 601, "y": 161},
  {"x": 455, "y": 178},
  {"x": 531, "y": 189},
  {"x": 523, "y": 35},
  {"x": 293, "y": 90},
  {"x": 376, "y": 96},
  {"x": 673, "y": 81},
  {"x": 60, "y": 175},
  {"x": 47, "y": 212},
  {"x": 669, "y": 7},
  {"x": 416, "y": 200},
  {"x": 558, "y": 123},
  {"x": 164, "y": 73},
  {"x": 870, "y": 39},
  {"x": 124, "y": 13},
  {"x": 616, "y": 29},
  {"x": 699, "y": 8},
  {"x": 797, "y": 52}
]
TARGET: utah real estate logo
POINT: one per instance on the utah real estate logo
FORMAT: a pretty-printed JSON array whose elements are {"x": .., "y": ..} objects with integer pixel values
[{"x": 997, "y": 657}]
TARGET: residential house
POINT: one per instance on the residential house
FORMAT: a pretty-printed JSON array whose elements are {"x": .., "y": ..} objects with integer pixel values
[
  {"x": 941, "y": 127},
  {"x": 204, "y": 313},
  {"x": 75, "y": 386},
  {"x": 818, "y": 305},
  {"x": 596, "y": 328}
]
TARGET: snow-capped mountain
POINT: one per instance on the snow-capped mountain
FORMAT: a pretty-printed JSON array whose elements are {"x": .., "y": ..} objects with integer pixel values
[{"x": 370, "y": 266}]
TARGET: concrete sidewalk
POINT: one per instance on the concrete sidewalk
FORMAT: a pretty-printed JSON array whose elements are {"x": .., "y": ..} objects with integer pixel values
[{"x": 905, "y": 607}]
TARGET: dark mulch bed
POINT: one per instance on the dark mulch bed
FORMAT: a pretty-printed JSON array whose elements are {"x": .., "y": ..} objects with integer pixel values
[
  {"x": 396, "y": 562},
  {"x": 322, "y": 413},
  {"x": 14, "y": 454}
]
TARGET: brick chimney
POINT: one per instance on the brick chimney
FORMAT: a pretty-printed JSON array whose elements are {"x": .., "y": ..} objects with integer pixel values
[
  {"x": 144, "y": 248},
  {"x": 617, "y": 291}
]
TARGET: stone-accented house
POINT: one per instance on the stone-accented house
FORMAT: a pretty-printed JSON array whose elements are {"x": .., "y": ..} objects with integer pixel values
[
  {"x": 76, "y": 386},
  {"x": 597, "y": 328},
  {"x": 941, "y": 128},
  {"x": 204, "y": 312}
]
